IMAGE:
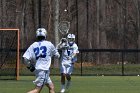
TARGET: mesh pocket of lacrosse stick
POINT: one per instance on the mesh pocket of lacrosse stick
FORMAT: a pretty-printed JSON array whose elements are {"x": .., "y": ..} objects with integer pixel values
[{"x": 64, "y": 27}]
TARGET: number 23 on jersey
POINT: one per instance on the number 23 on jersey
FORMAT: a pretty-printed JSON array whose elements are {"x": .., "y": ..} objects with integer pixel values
[{"x": 40, "y": 52}]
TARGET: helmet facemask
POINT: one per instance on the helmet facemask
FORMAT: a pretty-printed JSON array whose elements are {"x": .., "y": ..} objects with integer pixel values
[{"x": 71, "y": 39}]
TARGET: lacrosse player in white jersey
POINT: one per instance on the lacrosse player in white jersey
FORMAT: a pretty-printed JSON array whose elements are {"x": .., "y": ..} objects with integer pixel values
[
  {"x": 69, "y": 50},
  {"x": 38, "y": 59}
]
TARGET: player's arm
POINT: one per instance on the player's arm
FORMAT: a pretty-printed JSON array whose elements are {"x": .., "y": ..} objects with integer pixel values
[
  {"x": 57, "y": 55},
  {"x": 28, "y": 64},
  {"x": 26, "y": 61},
  {"x": 27, "y": 56},
  {"x": 55, "y": 52}
]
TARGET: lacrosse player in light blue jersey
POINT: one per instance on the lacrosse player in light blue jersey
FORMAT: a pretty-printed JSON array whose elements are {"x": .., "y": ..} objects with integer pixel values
[
  {"x": 40, "y": 53},
  {"x": 69, "y": 50}
]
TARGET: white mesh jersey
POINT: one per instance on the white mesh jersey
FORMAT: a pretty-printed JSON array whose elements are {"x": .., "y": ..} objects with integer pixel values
[
  {"x": 69, "y": 52},
  {"x": 41, "y": 53}
]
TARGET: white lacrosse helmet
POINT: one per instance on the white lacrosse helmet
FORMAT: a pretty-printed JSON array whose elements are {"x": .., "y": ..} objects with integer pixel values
[
  {"x": 41, "y": 32},
  {"x": 71, "y": 39}
]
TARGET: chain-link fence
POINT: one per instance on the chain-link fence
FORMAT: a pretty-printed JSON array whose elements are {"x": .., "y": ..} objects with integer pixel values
[
  {"x": 96, "y": 62},
  {"x": 109, "y": 62}
]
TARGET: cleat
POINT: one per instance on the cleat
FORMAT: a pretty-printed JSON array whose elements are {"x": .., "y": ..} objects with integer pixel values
[{"x": 62, "y": 91}]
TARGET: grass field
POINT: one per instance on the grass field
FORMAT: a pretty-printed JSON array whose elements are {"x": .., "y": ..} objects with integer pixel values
[{"x": 84, "y": 84}]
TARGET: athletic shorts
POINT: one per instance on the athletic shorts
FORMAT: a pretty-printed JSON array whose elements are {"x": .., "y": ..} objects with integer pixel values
[
  {"x": 42, "y": 77},
  {"x": 66, "y": 68}
]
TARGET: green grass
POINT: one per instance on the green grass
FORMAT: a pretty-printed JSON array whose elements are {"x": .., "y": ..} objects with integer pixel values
[
  {"x": 84, "y": 84},
  {"x": 110, "y": 70}
]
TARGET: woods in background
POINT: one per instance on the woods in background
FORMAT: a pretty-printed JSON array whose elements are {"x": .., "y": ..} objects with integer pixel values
[{"x": 105, "y": 24}]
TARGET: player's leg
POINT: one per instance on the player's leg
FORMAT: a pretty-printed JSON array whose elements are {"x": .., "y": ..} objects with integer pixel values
[
  {"x": 62, "y": 82},
  {"x": 68, "y": 75},
  {"x": 63, "y": 78},
  {"x": 63, "y": 71},
  {"x": 51, "y": 87},
  {"x": 49, "y": 84},
  {"x": 36, "y": 90},
  {"x": 39, "y": 81}
]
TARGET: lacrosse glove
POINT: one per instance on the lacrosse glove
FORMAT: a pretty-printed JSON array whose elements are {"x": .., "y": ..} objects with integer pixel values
[
  {"x": 31, "y": 68},
  {"x": 64, "y": 40}
]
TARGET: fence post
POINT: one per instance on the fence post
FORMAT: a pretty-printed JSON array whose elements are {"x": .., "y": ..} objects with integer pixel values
[
  {"x": 122, "y": 63},
  {"x": 81, "y": 65}
]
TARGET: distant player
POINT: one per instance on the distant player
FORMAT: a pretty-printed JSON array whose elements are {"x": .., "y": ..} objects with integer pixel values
[
  {"x": 69, "y": 50},
  {"x": 38, "y": 59}
]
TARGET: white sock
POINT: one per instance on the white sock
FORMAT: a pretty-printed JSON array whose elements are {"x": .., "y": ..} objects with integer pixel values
[{"x": 62, "y": 88}]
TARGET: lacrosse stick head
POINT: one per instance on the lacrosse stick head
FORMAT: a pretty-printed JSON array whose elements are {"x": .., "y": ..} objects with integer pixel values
[{"x": 64, "y": 27}]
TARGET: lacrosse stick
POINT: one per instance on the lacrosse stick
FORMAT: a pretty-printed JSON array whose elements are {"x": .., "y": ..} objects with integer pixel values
[{"x": 63, "y": 28}]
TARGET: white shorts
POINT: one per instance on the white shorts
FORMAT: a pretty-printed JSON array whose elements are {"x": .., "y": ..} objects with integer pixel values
[
  {"x": 66, "y": 68},
  {"x": 42, "y": 77}
]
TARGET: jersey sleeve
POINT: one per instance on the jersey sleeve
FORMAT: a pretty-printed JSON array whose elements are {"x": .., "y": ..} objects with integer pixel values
[
  {"x": 54, "y": 51},
  {"x": 28, "y": 53},
  {"x": 75, "y": 49}
]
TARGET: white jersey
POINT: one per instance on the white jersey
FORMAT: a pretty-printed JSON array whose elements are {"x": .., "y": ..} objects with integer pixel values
[
  {"x": 69, "y": 52},
  {"x": 41, "y": 52}
]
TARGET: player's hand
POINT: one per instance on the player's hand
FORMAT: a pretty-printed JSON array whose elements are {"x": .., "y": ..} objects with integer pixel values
[{"x": 31, "y": 68}]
